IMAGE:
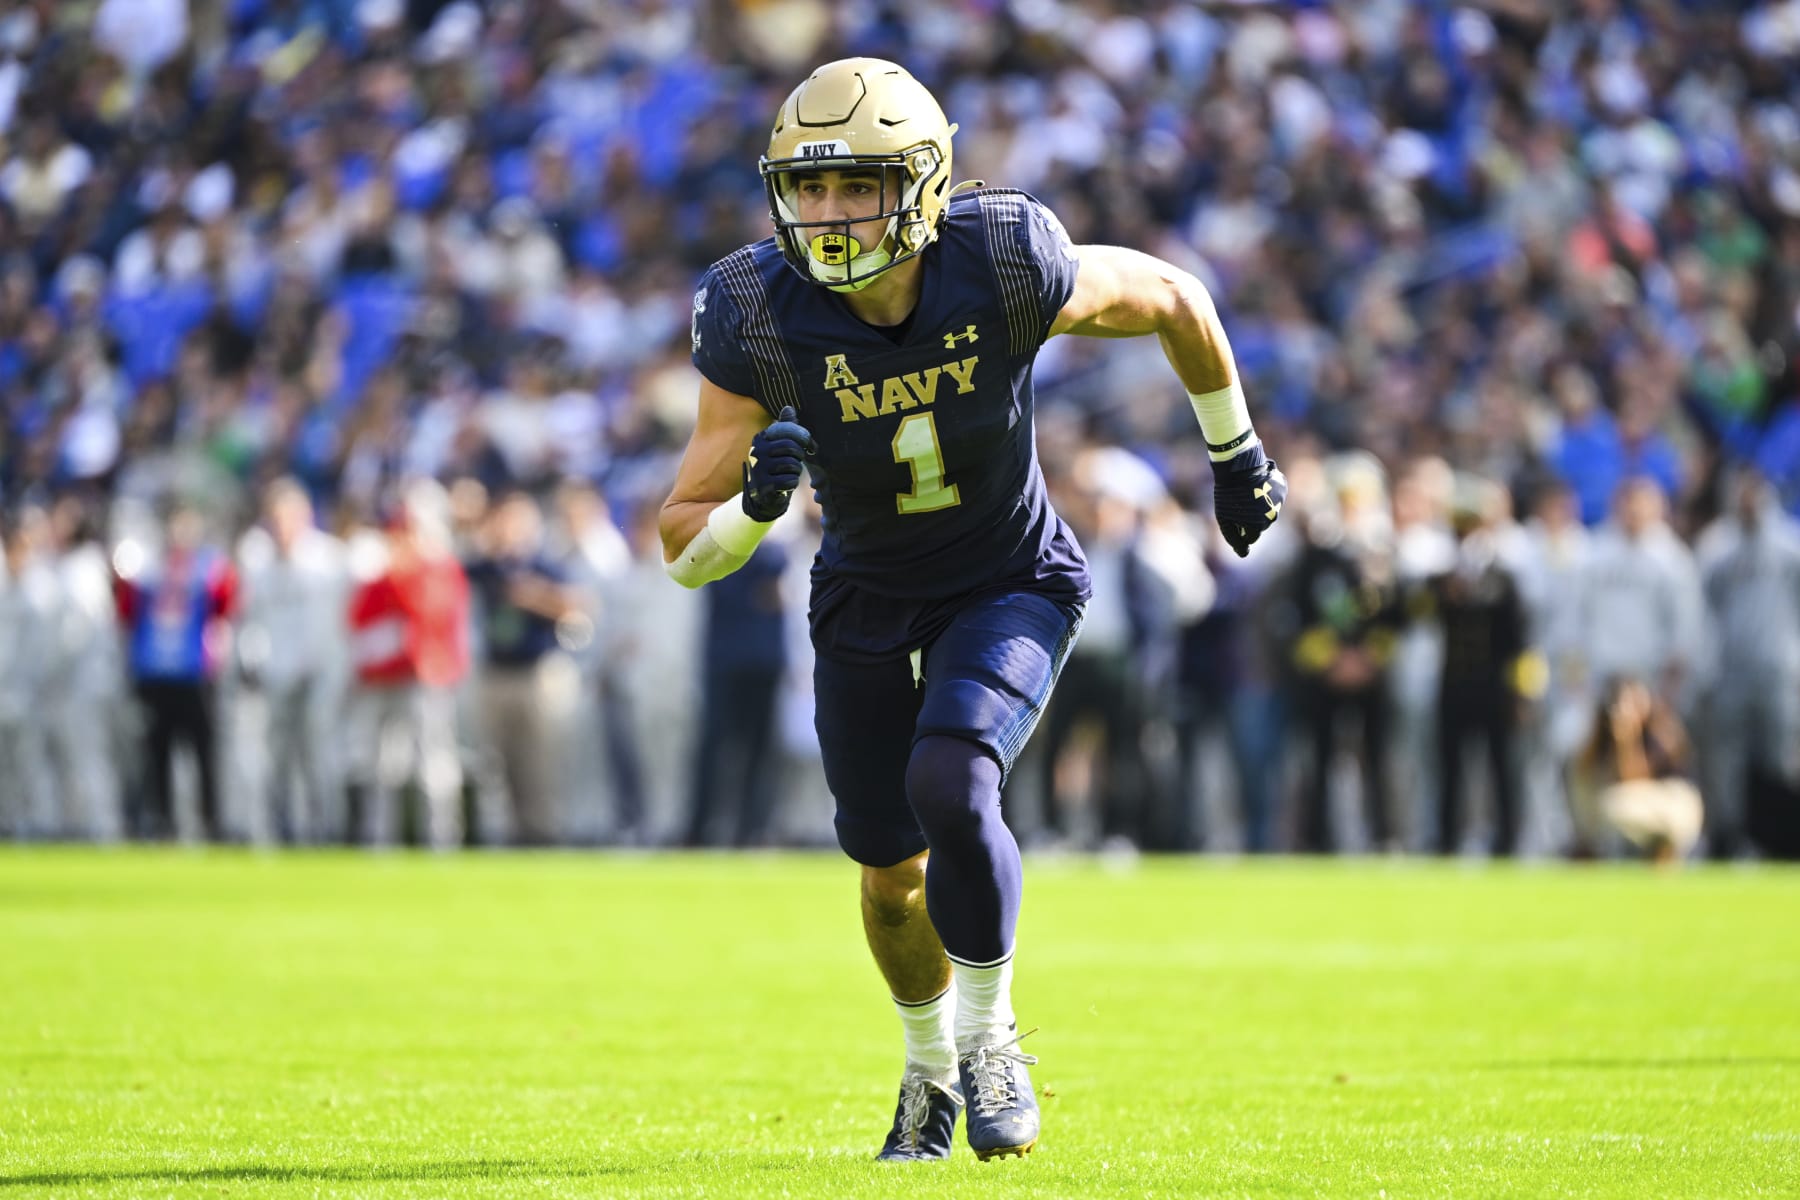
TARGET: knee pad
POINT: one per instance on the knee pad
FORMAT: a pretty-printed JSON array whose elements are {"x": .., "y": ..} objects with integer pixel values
[{"x": 952, "y": 783}]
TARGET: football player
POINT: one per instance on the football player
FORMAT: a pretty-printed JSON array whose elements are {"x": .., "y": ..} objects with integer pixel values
[{"x": 884, "y": 337}]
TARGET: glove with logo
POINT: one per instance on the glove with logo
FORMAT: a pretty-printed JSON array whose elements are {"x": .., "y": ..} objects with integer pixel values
[
  {"x": 1247, "y": 494},
  {"x": 772, "y": 471}
]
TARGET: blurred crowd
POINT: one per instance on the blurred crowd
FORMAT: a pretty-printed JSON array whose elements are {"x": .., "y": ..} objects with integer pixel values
[{"x": 343, "y": 363}]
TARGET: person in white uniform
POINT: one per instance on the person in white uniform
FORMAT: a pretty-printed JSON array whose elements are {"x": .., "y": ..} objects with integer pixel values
[
  {"x": 87, "y": 694},
  {"x": 1640, "y": 615},
  {"x": 28, "y": 608},
  {"x": 1750, "y": 565},
  {"x": 292, "y": 650}
]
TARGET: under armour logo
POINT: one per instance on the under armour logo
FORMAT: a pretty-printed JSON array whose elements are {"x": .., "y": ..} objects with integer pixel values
[
  {"x": 1262, "y": 493},
  {"x": 967, "y": 335}
]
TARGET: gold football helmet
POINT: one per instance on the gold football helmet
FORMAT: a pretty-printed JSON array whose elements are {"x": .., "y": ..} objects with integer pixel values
[{"x": 859, "y": 113}]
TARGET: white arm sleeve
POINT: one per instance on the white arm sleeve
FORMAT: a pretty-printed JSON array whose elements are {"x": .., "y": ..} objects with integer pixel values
[{"x": 724, "y": 544}]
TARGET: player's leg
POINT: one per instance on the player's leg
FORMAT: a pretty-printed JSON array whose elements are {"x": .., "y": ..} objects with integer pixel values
[
  {"x": 624, "y": 757},
  {"x": 987, "y": 678},
  {"x": 1503, "y": 763},
  {"x": 1726, "y": 770},
  {"x": 865, "y": 718},
  {"x": 761, "y": 692},
  {"x": 159, "y": 745},
  {"x": 900, "y": 935},
  {"x": 1060, "y": 719},
  {"x": 362, "y": 757},
  {"x": 716, "y": 742},
  {"x": 1450, "y": 808},
  {"x": 437, "y": 759},
  {"x": 324, "y": 762},
  {"x": 1378, "y": 798},
  {"x": 1319, "y": 707},
  {"x": 282, "y": 804},
  {"x": 911, "y": 959},
  {"x": 13, "y": 814},
  {"x": 1255, "y": 720},
  {"x": 198, "y": 717},
  {"x": 396, "y": 761}
]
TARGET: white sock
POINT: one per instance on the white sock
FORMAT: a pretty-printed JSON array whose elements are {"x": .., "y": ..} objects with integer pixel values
[
  {"x": 984, "y": 1012},
  {"x": 931, "y": 1034}
]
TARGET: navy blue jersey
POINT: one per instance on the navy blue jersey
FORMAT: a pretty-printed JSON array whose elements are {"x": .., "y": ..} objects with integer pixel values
[{"x": 927, "y": 465}]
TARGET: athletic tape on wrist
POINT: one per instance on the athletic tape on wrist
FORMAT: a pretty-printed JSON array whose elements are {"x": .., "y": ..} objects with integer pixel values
[
  {"x": 736, "y": 531},
  {"x": 1224, "y": 421}
]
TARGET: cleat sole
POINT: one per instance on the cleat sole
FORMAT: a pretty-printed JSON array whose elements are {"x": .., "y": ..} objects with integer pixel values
[{"x": 1006, "y": 1151}]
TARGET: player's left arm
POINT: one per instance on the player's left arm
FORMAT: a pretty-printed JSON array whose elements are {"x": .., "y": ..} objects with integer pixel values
[{"x": 1125, "y": 293}]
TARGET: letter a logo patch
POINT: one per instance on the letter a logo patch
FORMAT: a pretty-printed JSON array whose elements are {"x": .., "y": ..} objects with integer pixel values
[{"x": 838, "y": 373}]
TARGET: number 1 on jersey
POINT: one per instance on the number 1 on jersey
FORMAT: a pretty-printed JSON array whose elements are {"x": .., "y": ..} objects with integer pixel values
[{"x": 916, "y": 444}]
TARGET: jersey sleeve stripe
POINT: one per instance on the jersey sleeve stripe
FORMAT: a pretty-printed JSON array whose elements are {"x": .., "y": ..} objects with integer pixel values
[
  {"x": 1001, "y": 217},
  {"x": 762, "y": 338}
]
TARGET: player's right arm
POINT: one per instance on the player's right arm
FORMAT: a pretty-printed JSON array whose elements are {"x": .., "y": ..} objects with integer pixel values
[{"x": 735, "y": 479}]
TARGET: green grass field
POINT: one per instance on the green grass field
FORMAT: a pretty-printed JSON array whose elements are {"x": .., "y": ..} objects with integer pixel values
[{"x": 226, "y": 1024}]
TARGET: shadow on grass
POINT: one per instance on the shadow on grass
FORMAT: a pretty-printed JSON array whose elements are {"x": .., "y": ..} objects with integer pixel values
[
  {"x": 401, "y": 1172},
  {"x": 1639, "y": 1064},
  {"x": 477, "y": 1168}
]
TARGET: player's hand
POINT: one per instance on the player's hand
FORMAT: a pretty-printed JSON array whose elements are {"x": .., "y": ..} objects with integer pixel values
[
  {"x": 772, "y": 471},
  {"x": 1248, "y": 492}
]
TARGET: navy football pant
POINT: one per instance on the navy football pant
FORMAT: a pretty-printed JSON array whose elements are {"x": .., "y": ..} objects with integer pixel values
[{"x": 917, "y": 764}]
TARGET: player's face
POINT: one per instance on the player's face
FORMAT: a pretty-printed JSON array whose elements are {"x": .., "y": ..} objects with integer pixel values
[{"x": 855, "y": 197}]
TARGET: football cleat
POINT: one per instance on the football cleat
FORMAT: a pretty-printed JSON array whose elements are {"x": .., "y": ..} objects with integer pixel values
[
  {"x": 924, "y": 1123},
  {"x": 1003, "y": 1110}
]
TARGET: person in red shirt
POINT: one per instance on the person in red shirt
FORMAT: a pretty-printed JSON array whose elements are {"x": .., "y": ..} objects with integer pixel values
[{"x": 409, "y": 628}]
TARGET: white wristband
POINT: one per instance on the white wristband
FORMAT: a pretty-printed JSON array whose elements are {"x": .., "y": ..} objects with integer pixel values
[
  {"x": 1224, "y": 421},
  {"x": 734, "y": 529}
]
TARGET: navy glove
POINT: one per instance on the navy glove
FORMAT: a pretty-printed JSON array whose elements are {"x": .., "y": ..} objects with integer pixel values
[
  {"x": 1247, "y": 495},
  {"x": 772, "y": 471}
]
